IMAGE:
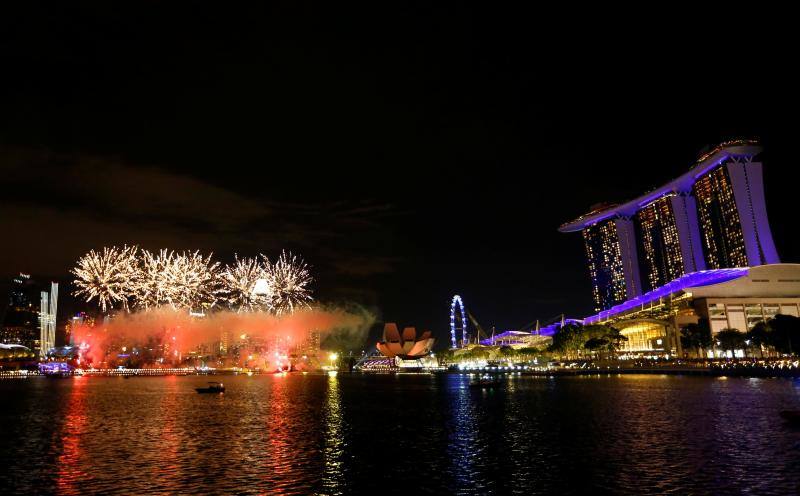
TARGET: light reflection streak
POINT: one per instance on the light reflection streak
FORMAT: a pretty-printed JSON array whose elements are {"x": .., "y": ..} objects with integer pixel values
[
  {"x": 280, "y": 452},
  {"x": 70, "y": 470},
  {"x": 333, "y": 453},
  {"x": 170, "y": 441},
  {"x": 463, "y": 447}
]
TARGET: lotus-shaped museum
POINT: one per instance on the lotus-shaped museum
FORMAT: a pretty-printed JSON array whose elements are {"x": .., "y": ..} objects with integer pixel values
[{"x": 406, "y": 345}]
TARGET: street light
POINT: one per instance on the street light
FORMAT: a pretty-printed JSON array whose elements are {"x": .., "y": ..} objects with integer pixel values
[{"x": 333, "y": 357}]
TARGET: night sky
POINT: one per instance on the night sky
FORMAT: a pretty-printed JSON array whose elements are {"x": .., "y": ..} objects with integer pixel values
[{"x": 408, "y": 153}]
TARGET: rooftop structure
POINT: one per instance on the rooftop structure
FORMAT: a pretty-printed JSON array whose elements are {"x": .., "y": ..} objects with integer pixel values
[
  {"x": 15, "y": 352},
  {"x": 711, "y": 217},
  {"x": 534, "y": 338},
  {"x": 518, "y": 339},
  {"x": 406, "y": 345}
]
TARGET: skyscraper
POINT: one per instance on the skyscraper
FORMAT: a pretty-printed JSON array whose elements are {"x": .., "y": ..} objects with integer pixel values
[
  {"x": 661, "y": 259},
  {"x": 47, "y": 319},
  {"x": 21, "y": 320},
  {"x": 712, "y": 217},
  {"x": 611, "y": 252}
]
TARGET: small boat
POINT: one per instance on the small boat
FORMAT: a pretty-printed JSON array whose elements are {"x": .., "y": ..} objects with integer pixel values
[
  {"x": 213, "y": 387},
  {"x": 791, "y": 416}
]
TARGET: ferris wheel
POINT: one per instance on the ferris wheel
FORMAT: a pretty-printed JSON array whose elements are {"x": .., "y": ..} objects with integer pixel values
[{"x": 458, "y": 322}]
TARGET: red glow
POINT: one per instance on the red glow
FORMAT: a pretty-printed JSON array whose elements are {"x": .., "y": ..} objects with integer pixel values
[
  {"x": 70, "y": 471},
  {"x": 180, "y": 333}
]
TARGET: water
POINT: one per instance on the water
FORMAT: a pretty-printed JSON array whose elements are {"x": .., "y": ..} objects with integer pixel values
[{"x": 409, "y": 434}]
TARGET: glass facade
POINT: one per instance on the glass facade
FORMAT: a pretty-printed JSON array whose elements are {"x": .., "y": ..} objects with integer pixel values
[
  {"x": 604, "y": 255},
  {"x": 644, "y": 336},
  {"x": 660, "y": 259},
  {"x": 720, "y": 226},
  {"x": 744, "y": 316}
]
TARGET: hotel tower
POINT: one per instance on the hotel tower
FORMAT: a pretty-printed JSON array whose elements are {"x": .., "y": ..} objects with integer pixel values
[{"x": 711, "y": 217}]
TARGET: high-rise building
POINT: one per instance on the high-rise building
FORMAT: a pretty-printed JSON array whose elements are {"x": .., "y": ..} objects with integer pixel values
[
  {"x": 21, "y": 320},
  {"x": 47, "y": 319},
  {"x": 80, "y": 319},
  {"x": 27, "y": 323},
  {"x": 661, "y": 258},
  {"x": 712, "y": 217},
  {"x": 721, "y": 227},
  {"x": 611, "y": 251}
]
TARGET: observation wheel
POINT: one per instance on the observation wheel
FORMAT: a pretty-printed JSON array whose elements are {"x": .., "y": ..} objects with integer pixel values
[{"x": 458, "y": 322}]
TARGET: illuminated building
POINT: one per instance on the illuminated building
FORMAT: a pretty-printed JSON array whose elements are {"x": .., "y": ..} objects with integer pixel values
[
  {"x": 81, "y": 319},
  {"x": 310, "y": 346},
  {"x": 14, "y": 353},
  {"x": 711, "y": 217},
  {"x": 21, "y": 320},
  {"x": 26, "y": 324},
  {"x": 406, "y": 345},
  {"x": 611, "y": 253},
  {"x": 47, "y": 319},
  {"x": 721, "y": 226},
  {"x": 732, "y": 298},
  {"x": 661, "y": 259},
  {"x": 538, "y": 337},
  {"x": 224, "y": 341},
  {"x": 518, "y": 339}
]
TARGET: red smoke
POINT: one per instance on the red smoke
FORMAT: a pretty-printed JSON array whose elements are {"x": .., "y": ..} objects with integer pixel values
[{"x": 184, "y": 333}]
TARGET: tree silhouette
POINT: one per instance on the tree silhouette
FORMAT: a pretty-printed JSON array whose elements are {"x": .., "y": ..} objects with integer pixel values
[
  {"x": 731, "y": 339},
  {"x": 785, "y": 335},
  {"x": 697, "y": 336}
]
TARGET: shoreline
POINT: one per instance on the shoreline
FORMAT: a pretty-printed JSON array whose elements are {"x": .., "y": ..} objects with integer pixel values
[{"x": 714, "y": 371}]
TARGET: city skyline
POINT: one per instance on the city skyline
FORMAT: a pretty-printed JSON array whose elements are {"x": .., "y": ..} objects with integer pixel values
[
  {"x": 286, "y": 248},
  {"x": 436, "y": 165},
  {"x": 670, "y": 205}
]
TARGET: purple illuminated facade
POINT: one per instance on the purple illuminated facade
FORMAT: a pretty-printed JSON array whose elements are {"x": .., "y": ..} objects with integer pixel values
[
  {"x": 518, "y": 337},
  {"x": 669, "y": 290},
  {"x": 712, "y": 217}
]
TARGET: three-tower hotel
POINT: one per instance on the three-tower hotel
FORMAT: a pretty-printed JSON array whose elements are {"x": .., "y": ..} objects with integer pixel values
[{"x": 649, "y": 257}]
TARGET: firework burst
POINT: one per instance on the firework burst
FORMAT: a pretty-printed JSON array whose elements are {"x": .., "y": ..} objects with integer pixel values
[
  {"x": 143, "y": 280},
  {"x": 245, "y": 285},
  {"x": 290, "y": 280},
  {"x": 106, "y": 276},
  {"x": 151, "y": 286},
  {"x": 194, "y": 281}
]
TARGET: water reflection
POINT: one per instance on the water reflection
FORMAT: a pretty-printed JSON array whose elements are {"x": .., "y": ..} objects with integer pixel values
[
  {"x": 464, "y": 448},
  {"x": 333, "y": 453},
  {"x": 70, "y": 461},
  {"x": 386, "y": 435},
  {"x": 168, "y": 472},
  {"x": 280, "y": 451}
]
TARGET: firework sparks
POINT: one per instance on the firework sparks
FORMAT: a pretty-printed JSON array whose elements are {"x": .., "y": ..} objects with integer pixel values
[
  {"x": 106, "y": 276},
  {"x": 151, "y": 287},
  {"x": 194, "y": 281},
  {"x": 245, "y": 285},
  {"x": 145, "y": 280},
  {"x": 289, "y": 279}
]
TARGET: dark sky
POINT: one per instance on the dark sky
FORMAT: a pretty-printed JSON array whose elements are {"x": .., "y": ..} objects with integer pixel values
[{"x": 408, "y": 153}]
